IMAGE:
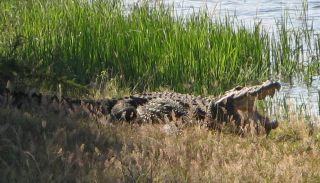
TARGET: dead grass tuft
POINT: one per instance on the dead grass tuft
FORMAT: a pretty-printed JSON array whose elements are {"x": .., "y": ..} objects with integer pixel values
[{"x": 47, "y": 148}]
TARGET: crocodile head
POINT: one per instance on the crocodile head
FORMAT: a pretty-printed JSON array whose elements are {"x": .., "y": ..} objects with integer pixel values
[
  {"x": 243, "y": 98},
  {"x": 238, "y": 105}
]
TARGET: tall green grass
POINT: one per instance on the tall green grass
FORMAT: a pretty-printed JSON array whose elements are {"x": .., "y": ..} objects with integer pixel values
[
  {"x": 295, "y": 48},
  {"x": 145, "y": 48}
]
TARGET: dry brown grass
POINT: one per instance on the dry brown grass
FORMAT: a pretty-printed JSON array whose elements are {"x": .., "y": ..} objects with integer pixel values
[{"x": 48, "y": 148}]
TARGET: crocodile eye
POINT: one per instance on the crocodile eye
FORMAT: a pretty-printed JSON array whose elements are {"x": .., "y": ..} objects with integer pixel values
[{"x": 238, "y": 88}]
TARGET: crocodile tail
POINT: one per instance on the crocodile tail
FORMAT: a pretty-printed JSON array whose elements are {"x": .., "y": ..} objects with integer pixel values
[{"x": 35, "y": 101}]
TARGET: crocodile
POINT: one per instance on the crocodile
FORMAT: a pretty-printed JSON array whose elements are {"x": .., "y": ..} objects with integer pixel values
[{"x": 236, "y": 106}]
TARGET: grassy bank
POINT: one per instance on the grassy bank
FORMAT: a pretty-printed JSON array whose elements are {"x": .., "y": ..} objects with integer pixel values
[
  {"x": 46, "y": 148},
  {"x": 73, "y": 43},
  {"x": 146, "y": 48},
  {"x": 142, "y": 49}
]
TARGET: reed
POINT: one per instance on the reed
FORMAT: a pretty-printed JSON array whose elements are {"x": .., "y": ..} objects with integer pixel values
[{"x": 145, "y": 47}]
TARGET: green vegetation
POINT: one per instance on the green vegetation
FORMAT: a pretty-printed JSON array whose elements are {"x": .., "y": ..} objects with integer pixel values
[
  {"x": 295, "y": 49},
  {"x": 100, "y": 45},
  {"x": 145, "y": 48}
]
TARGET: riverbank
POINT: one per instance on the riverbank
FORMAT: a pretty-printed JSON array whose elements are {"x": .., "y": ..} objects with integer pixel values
[{"x": 94, "y": 50}]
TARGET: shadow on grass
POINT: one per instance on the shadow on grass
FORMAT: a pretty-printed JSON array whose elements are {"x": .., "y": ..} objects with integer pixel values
[{"x": 38, "y": 147}]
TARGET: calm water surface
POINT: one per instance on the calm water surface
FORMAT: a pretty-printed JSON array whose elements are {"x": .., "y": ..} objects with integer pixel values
[
  {"x": 296, "y": 94},
  {"x": 248, "y": 11}
]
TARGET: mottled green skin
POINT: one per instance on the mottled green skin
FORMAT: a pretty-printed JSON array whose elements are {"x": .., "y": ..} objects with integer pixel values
[{"x": 157, "y": 107}]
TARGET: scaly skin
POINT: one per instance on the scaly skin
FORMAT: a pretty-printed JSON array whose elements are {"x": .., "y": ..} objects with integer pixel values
[{"x": 236, "y": 105}]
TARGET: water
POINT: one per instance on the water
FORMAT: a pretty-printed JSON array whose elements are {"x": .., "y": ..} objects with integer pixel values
[
  {"x": 248, "y": 11},
  {"x": 299, "y": 96}
]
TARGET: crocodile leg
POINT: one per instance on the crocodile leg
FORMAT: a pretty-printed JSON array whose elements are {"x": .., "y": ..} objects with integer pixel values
[{"x": 264, "y": 121}]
